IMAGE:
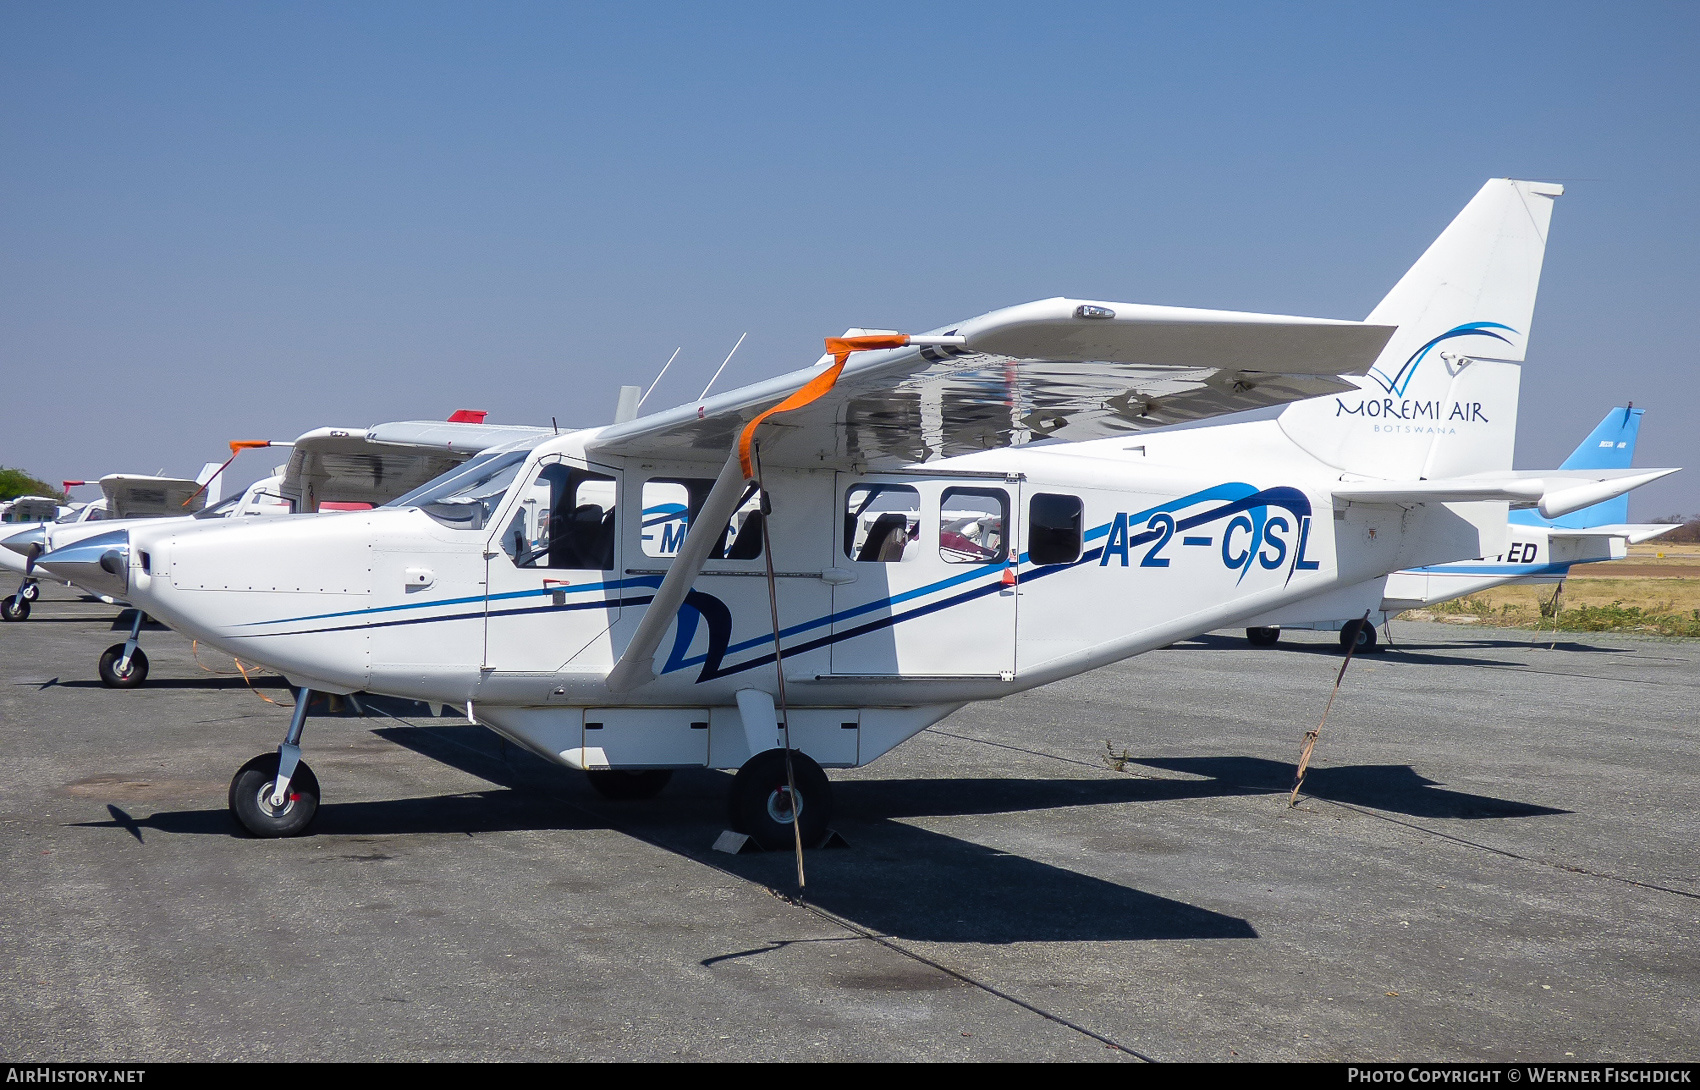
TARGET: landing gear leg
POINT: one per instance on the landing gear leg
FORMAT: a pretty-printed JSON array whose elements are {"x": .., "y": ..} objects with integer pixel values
[
  {"x": 124, "y": 665},
  {"x": 276, "y": 794},
  {"x": 763, "y": 807}
]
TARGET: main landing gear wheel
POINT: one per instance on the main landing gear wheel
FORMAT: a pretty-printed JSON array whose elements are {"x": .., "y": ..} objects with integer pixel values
[
  {"x": 1365, "y": 635},
  {"x": 762, "y": 804},
  {"x": 13, "y": 608},
  {"x": 131, "y": 678},
  {"x": 1266, "y": 636},
  {"x": 620, "y": 783},
  {"x": 32, "y": 592},
  {"x": 251, "y": 798}
]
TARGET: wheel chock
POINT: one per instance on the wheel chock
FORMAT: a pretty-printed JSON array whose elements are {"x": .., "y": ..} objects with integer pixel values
[{"x": 735, "y": 843}]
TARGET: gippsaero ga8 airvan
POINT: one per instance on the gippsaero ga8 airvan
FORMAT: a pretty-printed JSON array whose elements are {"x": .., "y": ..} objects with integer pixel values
[{"x": 910, "y": 525}]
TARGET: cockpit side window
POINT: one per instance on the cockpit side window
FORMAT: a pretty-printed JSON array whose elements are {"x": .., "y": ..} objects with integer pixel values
[{"x": 565, "y": 519}]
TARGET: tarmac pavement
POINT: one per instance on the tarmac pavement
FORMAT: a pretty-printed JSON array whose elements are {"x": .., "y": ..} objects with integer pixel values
[{"x": 1495, "y": 858}]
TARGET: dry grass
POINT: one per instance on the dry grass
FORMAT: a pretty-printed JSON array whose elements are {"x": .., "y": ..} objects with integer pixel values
[{"x": 1655, "y": 590}]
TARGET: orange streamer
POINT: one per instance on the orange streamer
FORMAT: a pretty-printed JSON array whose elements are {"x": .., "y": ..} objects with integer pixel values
[
  {"x": 237, "y": 446},
  {"x": 816, "y": 388}
]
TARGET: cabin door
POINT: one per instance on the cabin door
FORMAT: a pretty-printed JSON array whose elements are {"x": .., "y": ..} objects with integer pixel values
[
  {"x": 553, "y": 573},
  {"x": 929, "y": 594}
]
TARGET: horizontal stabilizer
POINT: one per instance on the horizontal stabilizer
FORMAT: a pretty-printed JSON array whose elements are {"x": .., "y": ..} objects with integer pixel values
[
  {"x": 1633, "y": 532},
  {"x": 1552, "y": 492}
]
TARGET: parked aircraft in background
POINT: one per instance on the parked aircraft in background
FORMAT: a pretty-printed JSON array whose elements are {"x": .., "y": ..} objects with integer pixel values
[
  {"x": 1540, "y": 550},
  {"x": 329, "y": 469},
  {"x": 904, "y": 518},
  {"x": 123, "y": 496}
]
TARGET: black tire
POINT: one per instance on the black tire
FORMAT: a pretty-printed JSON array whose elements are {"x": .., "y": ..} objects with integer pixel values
[
  {"x": 1266, "y": 636},
  {"x": 32, "y": 592},
  {"x": 758, "y": 796},
  {"x": 620, "y": 783},
  {"x": 13, "y": 608},
  {"x": 134, "y": 678},
  {"x": 250, "y": 799},
  {"x": 1365, "y": 634}
]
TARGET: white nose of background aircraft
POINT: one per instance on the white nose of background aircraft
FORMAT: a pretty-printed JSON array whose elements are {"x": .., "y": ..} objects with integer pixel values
[
  {"x": 329, "y": 469},
  {"x": 808, "y": 571}
]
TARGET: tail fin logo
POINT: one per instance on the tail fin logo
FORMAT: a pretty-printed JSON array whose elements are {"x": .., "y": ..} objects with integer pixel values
[{"x": 1400, "y": 381}]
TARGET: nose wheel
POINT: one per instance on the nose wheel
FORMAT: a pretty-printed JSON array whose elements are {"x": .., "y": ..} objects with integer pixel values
[
  {"x": 764, "y": 808},
  {"x": 276, "y": 794},
  {"x": 253, "y": 798},
  {"x": 123, "y": 666},
  {"x": 115, "y": 673}
]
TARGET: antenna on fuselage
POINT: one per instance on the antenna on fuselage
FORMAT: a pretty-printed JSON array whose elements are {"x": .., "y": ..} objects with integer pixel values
[
  {"x": 723, "y": 364},
  {"x": 658, "y": 377}
]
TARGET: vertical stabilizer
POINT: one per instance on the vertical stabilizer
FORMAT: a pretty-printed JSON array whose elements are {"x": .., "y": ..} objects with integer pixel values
[
  {"x": 215, "y": 490},
  {"x": 1611, "y": 445},
  {"x": 1465, "y": 306}
]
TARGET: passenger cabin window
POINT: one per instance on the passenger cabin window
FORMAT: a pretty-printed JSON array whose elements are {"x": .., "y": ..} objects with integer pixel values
[
  {"x": 565, "y": 520},
  {"x": 882, "y": 522},
  {"x": 1054, "y": 528},
  {"x": 973, "y": 525},
  {"x": 669, "y": 505}
]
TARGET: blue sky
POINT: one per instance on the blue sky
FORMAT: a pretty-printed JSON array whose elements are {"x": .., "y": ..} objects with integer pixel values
[{"x": 244, "y": 220}]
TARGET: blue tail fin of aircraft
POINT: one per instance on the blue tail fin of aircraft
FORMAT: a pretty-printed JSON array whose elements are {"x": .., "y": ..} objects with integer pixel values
[{"x": 1611, "y": 445}]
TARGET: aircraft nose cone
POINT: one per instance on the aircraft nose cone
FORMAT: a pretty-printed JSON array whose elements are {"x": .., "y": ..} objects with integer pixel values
[
  {"x": 29, "y": 543},
  {"x": 100, "y": 564}
]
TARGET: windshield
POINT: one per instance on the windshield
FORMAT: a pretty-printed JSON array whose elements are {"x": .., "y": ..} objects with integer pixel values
[
  {"x": 219, "y": 509},
  {"x": 465, "y": 497}
]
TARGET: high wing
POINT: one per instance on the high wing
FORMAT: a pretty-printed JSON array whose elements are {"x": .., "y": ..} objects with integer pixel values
[
  {"x": 130, "y": 496},
  {"x": 1067, "y": 369},
  {"x": 375, "y": 465}
]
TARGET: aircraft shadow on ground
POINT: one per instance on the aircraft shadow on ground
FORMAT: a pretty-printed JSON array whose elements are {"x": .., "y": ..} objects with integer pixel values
[
  {"x": 903, "y": 881},
  {"x": 209, "y": 682},
  {"x": 1398, "y": 789},
  {"x": 1427, "y": 653}
]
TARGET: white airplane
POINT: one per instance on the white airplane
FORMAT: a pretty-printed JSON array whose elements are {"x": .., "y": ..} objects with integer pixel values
[
  {"x": 915, "y": 547},
  {"x": 123, "y": 496},
  {"x": 329, "y": 469},
  {"x": 31, "y": 509},
  {"x": 1540, "y": 550}
]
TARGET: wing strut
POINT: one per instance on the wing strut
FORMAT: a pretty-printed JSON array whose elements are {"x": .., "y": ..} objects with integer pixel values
[{"x": 637, "y": 665}]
